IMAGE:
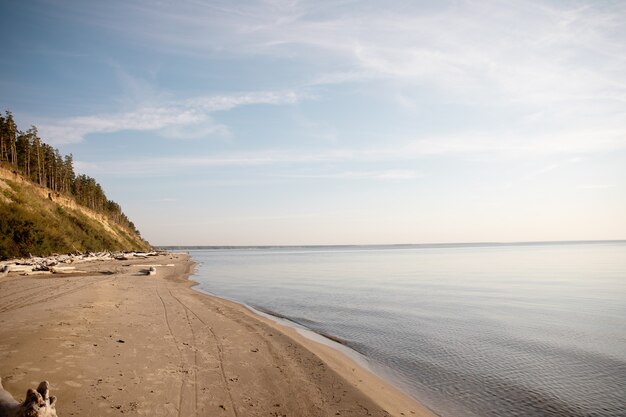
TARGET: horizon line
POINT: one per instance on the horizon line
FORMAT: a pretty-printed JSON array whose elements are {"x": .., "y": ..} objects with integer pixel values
[{"x": 348, "y": 245}]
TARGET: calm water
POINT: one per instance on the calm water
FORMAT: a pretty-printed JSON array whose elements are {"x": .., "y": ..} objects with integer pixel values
[{"x": 524, "y": 330}]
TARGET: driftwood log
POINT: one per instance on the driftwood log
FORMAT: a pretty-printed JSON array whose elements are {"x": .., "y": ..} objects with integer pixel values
[{"x": 59, "y": 264}]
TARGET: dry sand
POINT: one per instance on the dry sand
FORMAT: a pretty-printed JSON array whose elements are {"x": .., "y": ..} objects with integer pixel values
[{"x": 113, "y": 341}]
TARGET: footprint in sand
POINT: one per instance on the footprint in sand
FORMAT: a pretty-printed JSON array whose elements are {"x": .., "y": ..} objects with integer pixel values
[{"x": 73, "y": 384}]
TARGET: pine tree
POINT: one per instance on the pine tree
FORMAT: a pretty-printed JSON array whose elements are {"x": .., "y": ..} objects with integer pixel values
[{"x": 43, "y": 164}]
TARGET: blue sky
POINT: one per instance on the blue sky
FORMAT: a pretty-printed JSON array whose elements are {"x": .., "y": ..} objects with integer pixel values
[{"x": 331, "y": 122}]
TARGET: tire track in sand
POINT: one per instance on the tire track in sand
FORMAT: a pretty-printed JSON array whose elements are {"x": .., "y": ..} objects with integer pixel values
[
  {"x": 220, "y": 352},
  {"x": 8, "y": 295},
  {"x": 195, "y": 358},
  {"x": 26, "y": 301},
  {"x": 34, "y": 290},
  {"x": 182, "y": 358}
]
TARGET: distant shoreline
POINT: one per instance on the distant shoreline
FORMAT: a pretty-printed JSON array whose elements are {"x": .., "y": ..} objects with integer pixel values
[{"x": 392, "y": 245}]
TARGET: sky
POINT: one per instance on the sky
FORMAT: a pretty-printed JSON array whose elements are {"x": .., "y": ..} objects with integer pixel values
[{"x": 293, "y": 122}]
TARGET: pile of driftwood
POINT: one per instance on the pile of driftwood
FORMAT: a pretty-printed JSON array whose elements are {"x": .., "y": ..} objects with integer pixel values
[{"x": 60, "y": 264}]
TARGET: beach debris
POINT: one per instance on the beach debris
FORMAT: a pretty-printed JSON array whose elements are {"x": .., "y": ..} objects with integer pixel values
[
  {"x": 37, "y": 273},
  {"x": 126, "y": 256},
  {"x": 37, "y": 403},
  {"x": 62, "y": 269},
  {"x": 60, "y": 264},
  {"x": 20, "y": 268},
  {"x": 149, "y": 271}
]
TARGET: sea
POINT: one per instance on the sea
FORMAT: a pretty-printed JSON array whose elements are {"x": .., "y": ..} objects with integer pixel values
[{"x": 526, "y": 329}]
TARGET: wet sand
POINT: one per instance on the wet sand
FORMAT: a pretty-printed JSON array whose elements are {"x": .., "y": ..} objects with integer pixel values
[{"x": 113, "y": 341}]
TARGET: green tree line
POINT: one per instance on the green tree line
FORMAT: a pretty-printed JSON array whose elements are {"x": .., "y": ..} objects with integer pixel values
[{"x": 26, "y": 153}]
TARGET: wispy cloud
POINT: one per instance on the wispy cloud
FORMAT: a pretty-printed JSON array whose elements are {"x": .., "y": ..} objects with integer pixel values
[
  {"x": 485, "y": 146},
  {"x": 521, "y": 144},
  {"x": 455, "y": 44},
  {"x": 189, "y": 118},
  {"x": 387, "y": 175},
  {"x": 596, "y": 186},
  {"x": 562, "y": 72},
  {"x": 540, "y": 172}
]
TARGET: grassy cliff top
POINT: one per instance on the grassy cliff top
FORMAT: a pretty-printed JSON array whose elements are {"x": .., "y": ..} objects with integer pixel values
[{"x": 36, "y": 221}]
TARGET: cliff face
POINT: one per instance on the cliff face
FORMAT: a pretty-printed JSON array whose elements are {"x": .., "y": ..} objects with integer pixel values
[{"x": 35, "y": 220}]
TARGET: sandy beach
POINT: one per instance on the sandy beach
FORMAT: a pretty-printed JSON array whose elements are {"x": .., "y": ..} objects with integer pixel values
[{"x": 114, "y": 341}]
